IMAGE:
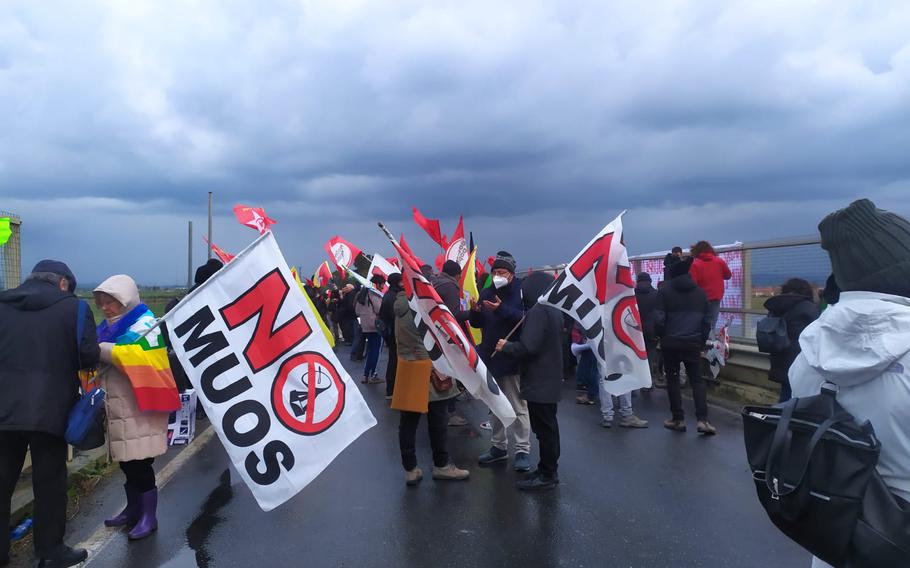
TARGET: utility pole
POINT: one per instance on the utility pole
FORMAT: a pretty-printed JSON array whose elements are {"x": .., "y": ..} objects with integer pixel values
[
  {"x": 189, "y": 257},
  {"x": 210, "y": 225}
]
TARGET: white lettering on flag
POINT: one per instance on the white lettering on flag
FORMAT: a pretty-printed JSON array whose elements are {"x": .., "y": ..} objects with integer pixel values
[
  {"x": 597, "y": 289},
  {"x": 277, "y": 396}
]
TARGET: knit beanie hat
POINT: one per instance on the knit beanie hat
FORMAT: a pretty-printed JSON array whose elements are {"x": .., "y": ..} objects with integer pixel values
[
  {"x": 643, "y": 277},
  {"x": 451, "y": 268},
  {"x": 869, "y": 249},
  {"x": 680, "y": 268},
  {"x": 504, "y": 260}
]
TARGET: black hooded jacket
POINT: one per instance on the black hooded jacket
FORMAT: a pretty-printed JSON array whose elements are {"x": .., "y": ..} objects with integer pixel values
[
  {"x": 646, "y": 296},
  {"x": 798, "y": 311},
  {"x": 681, "y": 316},
  {"x": 539, "y": 348},
  {"x": 39, "y": 358}
]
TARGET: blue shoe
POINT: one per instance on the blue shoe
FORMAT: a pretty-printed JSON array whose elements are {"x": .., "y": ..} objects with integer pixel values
[
  {"x": 522, "y": 462},
  {"x": 493, "y": 455}
]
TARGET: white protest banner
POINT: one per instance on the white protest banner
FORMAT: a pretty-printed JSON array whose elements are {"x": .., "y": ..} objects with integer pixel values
[
  {"x": 279, "y": 399},
  {"x": 597, "y": 289},
  {"x": 453, "y": 354}
]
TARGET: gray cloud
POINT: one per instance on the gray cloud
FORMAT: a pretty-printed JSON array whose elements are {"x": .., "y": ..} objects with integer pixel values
[{"x": 538, "y": 122}]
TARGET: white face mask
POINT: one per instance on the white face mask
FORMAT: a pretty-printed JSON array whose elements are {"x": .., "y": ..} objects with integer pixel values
[{"x": 500, "y": 281}]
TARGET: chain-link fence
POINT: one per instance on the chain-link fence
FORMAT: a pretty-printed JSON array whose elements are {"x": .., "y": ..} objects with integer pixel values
[
  {"x": 759, "y": 269},
  {"x": 11, "y": 254}
]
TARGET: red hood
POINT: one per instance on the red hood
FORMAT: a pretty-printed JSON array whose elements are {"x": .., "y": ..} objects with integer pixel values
[{"x": 706, "y": 256}]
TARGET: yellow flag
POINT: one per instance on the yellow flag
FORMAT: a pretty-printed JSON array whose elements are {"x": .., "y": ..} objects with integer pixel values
[
  {"x": 469, "y": 290},
  {"x": 322, "y": 325}
]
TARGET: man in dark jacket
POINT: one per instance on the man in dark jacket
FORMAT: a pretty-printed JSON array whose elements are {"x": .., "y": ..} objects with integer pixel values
[
  {"x": 387, "y": 317},
  {"x": 795, "y": 304},
  {"x": 39, "y": 364},
  {"x": 683, "y": 322},
  {"x": 646, "y": 296},
  {"x": 673, "y": 257},
  {"x": 497, "y": 312},
  {"x": 539, "y": 349}
]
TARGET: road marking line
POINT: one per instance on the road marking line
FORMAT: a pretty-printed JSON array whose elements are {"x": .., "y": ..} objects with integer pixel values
[{"x": 103, "y": 536}]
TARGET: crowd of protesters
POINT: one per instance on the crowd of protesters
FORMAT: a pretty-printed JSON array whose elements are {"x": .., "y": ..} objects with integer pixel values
[{"x": 525, "y": 345}]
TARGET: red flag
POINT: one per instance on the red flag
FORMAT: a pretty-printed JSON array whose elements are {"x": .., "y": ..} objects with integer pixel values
[
  {"x": 341, "y": 252},
  {"x": 219, "y": 252},
  {"x": 323, "y": 275},
  {"x": 431, "y": 226},
  {"x": 253, "y": 217},
  {"x": 407, "y": 249}
]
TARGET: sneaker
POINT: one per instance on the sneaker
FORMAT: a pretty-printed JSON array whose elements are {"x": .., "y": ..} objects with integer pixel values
[
  {"x": 376, "y": 381},
  {"x": 632, "y": 421},
  {"x": 660, "y": 382},
  {"x": 522, "y": 462},
  {"x": 493, "y": 455},
  {"x": 450, "y": 473},
  {"x": 456, "y": 421},
  {"x": 538, "y": 482},
  {"x": 486, "y": 425},
  {"x": 583, "y": 399},
  {"x": 606, "y": 423},
  {"x": 704, "y": 427},
  {"x": 364, "y": 381},
  {"x": 677, "y": 425},
  {"x": 388, "y": 397},
  {"x": 413, "y": 477},
  {"x": 65, "y": 557}
]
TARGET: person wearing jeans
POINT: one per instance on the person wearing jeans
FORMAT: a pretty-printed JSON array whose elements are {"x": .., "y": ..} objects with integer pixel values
[
  {"x": 367, "y": 307},
  {"x": 627, "y": 418},
  {"x": 683, "y": 322}
]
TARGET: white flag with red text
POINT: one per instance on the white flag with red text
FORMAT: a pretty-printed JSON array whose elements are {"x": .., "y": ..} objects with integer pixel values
[
  {"x": 597, "y": 289},
  {"x": 451, "y": 350}
]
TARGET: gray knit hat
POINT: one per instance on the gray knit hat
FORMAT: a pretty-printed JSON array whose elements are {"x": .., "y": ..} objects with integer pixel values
[
  {"x": 869, "y": 249},
  {"x": 504, "y": 260}
]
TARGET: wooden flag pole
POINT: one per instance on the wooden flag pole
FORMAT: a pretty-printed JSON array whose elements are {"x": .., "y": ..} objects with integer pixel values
[{"x": 514, "y": 329}]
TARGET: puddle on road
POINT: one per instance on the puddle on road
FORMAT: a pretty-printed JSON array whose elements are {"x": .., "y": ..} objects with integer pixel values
[{"x": 199, "y": 531}]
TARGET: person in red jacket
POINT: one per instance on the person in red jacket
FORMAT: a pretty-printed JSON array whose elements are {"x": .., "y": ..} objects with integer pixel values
[{"x": 709, "y": 272}]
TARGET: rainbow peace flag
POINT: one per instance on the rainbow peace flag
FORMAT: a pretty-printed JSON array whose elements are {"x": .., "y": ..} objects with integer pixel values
[{"x": 144, "y": 360}]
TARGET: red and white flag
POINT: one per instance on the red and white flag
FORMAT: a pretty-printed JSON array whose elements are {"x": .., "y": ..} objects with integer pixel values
[
  {"x": 458, "y": 247},
  {"x": 341, "y": 252},
  {"x": 219, "y": 252},
  {"x": 451, "y": 350},
  {"x": 253, "y": 217},
  {"x": 598, "y": 290}
]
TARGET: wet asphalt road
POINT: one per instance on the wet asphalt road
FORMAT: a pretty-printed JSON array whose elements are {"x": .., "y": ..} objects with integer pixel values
[{"x": 628, "y": 498}]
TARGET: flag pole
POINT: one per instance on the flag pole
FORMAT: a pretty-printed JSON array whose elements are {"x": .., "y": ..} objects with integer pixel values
[{"x": 507, "y": 337}]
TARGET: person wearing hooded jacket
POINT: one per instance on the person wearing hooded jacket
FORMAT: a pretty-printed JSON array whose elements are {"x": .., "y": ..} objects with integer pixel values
[
  {"x": 39, "y": 363},
  {"x": 539, "y": 350},
  {"x": 709, "y": 272},
  {"x": 135, "y": 438},
  {"x": 862, "y": 344},
  {"x": 683, "y": 322},
  {"x": 795, "y": 304},
  {"x": 367, "y": 309},
  {"x": 498, "y": 311}
]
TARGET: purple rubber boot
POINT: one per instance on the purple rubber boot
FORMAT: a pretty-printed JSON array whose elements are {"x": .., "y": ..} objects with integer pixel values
[
  {"x": 130, "y": 513},
  {"x": 148, "y": 518}
]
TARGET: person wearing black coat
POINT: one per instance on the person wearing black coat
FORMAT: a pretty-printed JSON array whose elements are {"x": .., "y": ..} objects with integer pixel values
[
  {"x": 796, "y": 306},
  {"x": 646, "y": 297},
  {"x": 683, "y": 323},
  {"x": 387, "y": 317},
  {"x": 39, "y": 384},
  {"x": 673, "y": 257},
  {"x": 539, "y": 350}
]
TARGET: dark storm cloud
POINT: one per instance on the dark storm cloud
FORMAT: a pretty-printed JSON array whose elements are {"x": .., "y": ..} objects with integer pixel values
[{"x": 538, "y": 122}]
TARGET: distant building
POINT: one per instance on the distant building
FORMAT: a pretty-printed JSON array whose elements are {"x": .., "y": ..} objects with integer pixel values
[{"x": 11, "y": 255}]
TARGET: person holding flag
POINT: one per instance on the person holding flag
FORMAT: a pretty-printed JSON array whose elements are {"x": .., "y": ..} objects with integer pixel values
[
  {"x": 498, "y": 313},
  {"x": 540, "y": 351}
]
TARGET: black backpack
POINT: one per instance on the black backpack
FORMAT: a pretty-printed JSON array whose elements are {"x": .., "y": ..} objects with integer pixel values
[
  {"x": 772, "y": 335},
  {"x": 814, "y": 470}
]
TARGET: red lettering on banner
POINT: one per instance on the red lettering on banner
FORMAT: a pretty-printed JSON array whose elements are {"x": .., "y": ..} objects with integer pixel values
[
  {"x": 596, "y": 258},
  {"x": 265, "y": 299},
  {"x": 453, "y": 334}
]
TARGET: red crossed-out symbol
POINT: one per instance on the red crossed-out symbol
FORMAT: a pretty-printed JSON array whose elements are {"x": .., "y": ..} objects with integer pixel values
[{"x": 297, "y": 409}]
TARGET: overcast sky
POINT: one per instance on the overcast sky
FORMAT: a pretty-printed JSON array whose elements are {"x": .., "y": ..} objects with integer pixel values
[{"x": 539, "y": 121}]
